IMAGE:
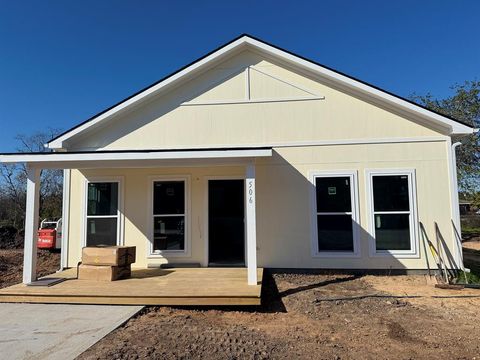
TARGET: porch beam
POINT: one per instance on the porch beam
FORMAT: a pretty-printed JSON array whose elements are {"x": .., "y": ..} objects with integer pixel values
[
  {"x": 251, "y": 224},
  {"x": 31, "y": 225},
  {"x": 74, "y": 158}
]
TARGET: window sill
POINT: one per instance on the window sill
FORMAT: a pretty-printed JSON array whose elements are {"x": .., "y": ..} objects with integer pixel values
[
  {"x": 332, "y": 254},
  {"x": 396, "y": 255}
]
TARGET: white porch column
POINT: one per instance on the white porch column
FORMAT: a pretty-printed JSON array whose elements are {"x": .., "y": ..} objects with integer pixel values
[
  {"x": 31, "y": 225},
  {"x": 251, "y": 224},
  {"x": 65, "y": 219}
]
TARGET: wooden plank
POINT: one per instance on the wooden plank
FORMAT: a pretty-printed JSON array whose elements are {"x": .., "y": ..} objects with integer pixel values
[
  {"x": 100, "y": 300},
  {"x": 199, "y": 286}
]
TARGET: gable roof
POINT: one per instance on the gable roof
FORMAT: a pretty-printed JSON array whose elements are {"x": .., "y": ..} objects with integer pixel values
[{"x": 349, "y": 83}]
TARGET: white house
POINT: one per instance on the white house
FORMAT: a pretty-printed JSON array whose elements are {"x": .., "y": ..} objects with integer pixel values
[{"x": 254, "y": 156}]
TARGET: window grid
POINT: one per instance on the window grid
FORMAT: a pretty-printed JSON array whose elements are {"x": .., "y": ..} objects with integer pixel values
[
  {"x": 101, "y": 216},
  {"x": 167, "y": 215},
  {"x": 335, "y": 213}
]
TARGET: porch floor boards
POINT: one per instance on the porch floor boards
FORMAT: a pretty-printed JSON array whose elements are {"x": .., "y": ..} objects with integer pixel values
[{"x": 179, "y": 286}]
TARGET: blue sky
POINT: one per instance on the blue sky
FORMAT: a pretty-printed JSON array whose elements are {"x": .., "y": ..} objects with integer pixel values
[{"x": 63, "y": 61}]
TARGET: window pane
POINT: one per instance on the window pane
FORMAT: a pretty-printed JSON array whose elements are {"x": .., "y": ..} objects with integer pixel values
[
  {"x": 169, "y": 233},
  {"x": 390, "y": 193},
  {"x": 168, "y": 197},
  {"x": 392, "y": 232},
  {"x": 335, "y": 232},
  {"x": 102, "y": 198},
  {"x": 333, "y": 194},
  {"x": 101, "y": 231}
]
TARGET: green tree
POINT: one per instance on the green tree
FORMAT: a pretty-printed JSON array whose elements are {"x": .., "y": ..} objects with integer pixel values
[{"x": 463, "y": 105}]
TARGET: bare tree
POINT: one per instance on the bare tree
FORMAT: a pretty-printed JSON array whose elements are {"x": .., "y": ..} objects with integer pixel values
[{"x": 13, "y": 183}]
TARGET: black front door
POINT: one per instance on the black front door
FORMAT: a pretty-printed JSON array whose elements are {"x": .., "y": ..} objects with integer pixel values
[{"x": 226, "y": 231}]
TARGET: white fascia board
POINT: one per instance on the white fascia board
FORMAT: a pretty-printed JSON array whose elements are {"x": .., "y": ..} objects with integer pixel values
[
  {"x": 356, "y": 86},
  {"x": 112, "y": 156}
]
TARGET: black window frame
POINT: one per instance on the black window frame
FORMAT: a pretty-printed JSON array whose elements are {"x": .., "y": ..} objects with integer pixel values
[
  {"x": 117, "y": 215},
  {"x": 185, "y": 215},
  {"x": 412, "y": 252},
  {"x": 354, "y": 214}
]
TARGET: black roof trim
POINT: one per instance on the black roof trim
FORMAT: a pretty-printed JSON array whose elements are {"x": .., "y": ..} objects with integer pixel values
[
  {"x": 276, "y": 47},
  {"x": 139, "y": 151}
]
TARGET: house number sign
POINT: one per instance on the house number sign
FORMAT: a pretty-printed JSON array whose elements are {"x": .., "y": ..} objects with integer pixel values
[{"x": 250, "y": 187}]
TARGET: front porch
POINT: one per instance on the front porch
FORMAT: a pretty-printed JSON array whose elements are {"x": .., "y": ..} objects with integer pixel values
[
  {"x": 133, "y": 176},
  {"x": 172, "y": 287}
]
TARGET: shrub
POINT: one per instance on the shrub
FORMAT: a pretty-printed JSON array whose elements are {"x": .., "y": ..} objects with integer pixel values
[{"x": 9, "y": 238}]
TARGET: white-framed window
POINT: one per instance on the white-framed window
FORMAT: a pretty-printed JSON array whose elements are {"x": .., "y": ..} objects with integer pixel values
[
  {"x": 392, "y": 212},
  {"x": 102, "y": 212},
  {"x": 335, "y": 214},
  {"x": 169, "y": 214}
]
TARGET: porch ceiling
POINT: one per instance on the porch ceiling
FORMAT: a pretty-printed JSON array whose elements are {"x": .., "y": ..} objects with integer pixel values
[{"x": 137, "y": 158}]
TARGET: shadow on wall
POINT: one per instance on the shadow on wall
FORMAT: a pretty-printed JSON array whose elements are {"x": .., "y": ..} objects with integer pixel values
[
  {"x": 287, "y": 210},
  {"x": 284, "y": 222},
  {"x": 446, "y": 256},
  {"x": 284, "y": 226}
]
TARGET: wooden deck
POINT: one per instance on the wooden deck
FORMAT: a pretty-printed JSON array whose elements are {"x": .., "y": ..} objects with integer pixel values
[{"x": 193, "y": 286}]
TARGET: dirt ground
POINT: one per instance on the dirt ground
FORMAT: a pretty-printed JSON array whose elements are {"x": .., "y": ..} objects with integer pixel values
[
  {"x": 303, "y": 316},
  {"x": 296, "y": 322},
  {"x": 472, "y": 244},
  {"x": 11, "y": 265}
]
